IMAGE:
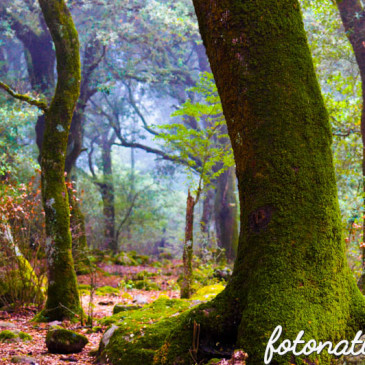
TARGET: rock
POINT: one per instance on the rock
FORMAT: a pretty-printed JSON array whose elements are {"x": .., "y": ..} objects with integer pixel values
[
  {"x": 106, "y": 303},
  {"x": 107, "y": 335},
  {"x": 7, "y": 325},
  {"x": 62, "y": 341},
  {"x": 124, "y": 308},
  {"x": 24, "y": 360},
  {"x": 224, "y": 273},
  {"x": 54, "y": 323},
  {"x": 140, "y": 299}
]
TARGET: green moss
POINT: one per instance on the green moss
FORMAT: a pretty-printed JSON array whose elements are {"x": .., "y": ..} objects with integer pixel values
[
  {"x": 20, "y": 286},
  {"x": 207, "y": 292},
  {"x": 142, "y": 332},
  {"x": 156, "y": 264},
  {"x": 103, "y": 290},
  {"x": 84, "y": 289},
  {"x": 25, "y": 336},
  {"x": 9, "y": 336},
  {"x": 161, "y": 308},
  {"x": 62, "y": 341},
  {"x": 143, "y": 335},
  {"x": 125, "y": 260},
  {"x": 124, "y": 308},
  {"x": 140, "y": 259},
  {"x": 142, "y": 275},
  {"x": 146, "y": 285},
  {"x": 6, "y": 336}
]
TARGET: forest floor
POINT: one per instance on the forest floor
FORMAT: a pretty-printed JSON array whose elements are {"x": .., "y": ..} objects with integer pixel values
[{"x": 103, "y": 301}]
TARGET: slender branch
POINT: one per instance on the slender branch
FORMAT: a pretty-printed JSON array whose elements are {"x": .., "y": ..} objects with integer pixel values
[
  {"x": 138, "y": 112},
  {"x": 38, "y": 103}
]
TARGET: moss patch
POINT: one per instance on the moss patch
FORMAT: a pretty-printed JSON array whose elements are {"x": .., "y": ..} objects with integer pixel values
[
  {"x": 207, "y": 292},
  {"x": 161, "y": 308},
  {"x": 63, "y": 341},
  {"x": 142, "y": 332},
  {"x": 11, "y": 336},
  {"x": 103, "y": 290}
]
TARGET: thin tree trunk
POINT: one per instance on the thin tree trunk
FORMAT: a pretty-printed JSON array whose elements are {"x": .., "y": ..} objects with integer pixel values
[
  {"x": 207, "y": 212},
  {"x": 226, "y": 211},
  {"x": 63, "y": 297},
  {"x": 107, "y": 194},
  {"x": 185, "y": 289}
]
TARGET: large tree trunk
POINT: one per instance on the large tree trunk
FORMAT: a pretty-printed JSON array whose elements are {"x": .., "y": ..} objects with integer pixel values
[
  {"x": 63, "y": 297},
  {"x": 291, "y": 268},
  {"x": 352, "y": 15},
  {"x": 226, "y": 213}
]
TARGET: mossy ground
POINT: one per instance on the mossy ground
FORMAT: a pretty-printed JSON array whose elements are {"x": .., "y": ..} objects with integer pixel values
[{"x": 142, "y": 334}]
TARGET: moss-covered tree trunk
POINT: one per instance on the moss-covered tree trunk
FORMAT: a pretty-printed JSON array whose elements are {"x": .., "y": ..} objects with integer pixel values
[
  {"x": 225, "y": 208},
  {"x": 26, "y": 270},
  {"x": 63, "y": 298},
  {"x": 187, "y": 277},
  {"x": 40, "y": 59},
  {"x": 291, "y": 268},
  {"x": 352, "y": 15}
]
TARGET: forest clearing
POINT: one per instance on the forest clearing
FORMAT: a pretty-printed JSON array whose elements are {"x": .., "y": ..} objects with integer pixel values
[{"x": 182, "y": 182}]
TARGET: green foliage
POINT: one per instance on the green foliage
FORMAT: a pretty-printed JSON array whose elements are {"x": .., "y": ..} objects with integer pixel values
[
  {"x": 15, "y": 130},
  {"x": 202, "y": 147}
]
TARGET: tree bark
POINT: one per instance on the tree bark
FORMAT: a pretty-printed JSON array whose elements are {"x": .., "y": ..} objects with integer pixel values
[
  {"x": 63, "y": 298},
  {"x": 185, "y": 289},
  {"x": 226, "y": 213},
  {"x": 353, "y": 18}
]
